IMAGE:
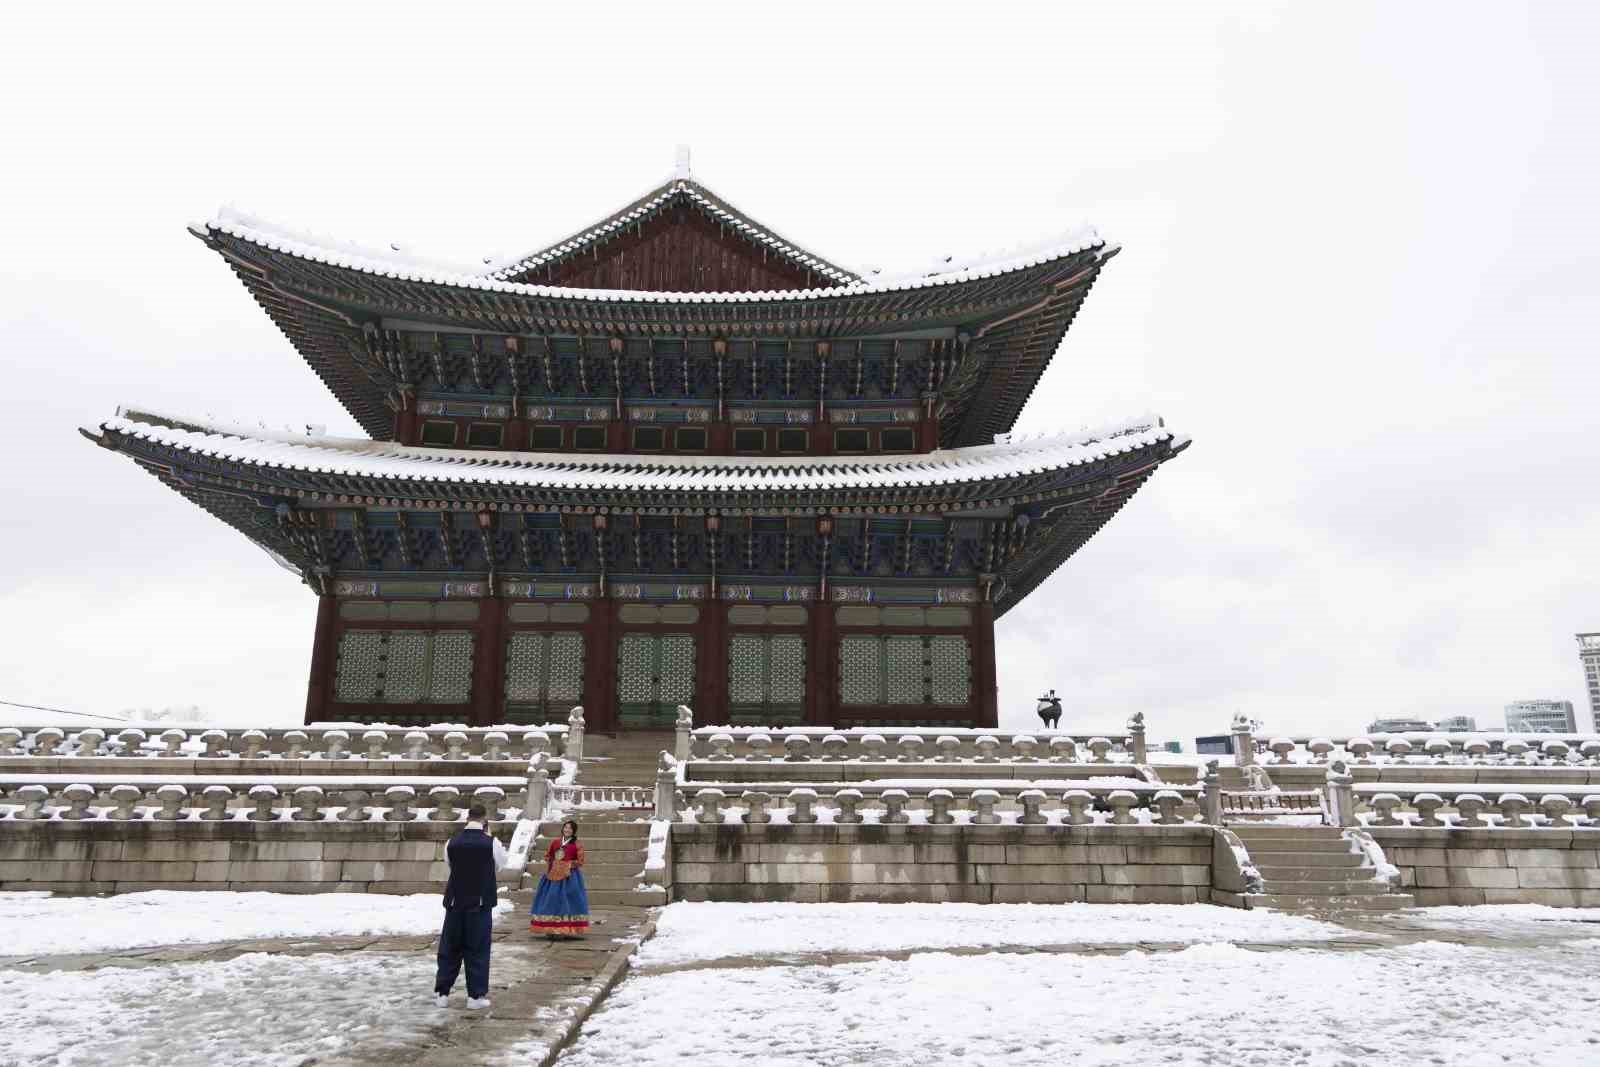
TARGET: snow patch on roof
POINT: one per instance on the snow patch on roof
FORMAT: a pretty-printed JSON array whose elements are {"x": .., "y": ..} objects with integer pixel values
[{"x": 359, "y": 457}]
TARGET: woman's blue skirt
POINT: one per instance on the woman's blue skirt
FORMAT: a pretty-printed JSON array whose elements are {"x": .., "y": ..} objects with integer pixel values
[{"x": 560, "y": 907}]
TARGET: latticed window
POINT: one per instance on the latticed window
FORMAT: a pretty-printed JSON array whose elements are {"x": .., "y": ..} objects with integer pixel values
[
  {"x": 404, "y": 667},
  {"x": 655, "y": 673},
  {"x": 905, "y": 669},
  {"x": 766, "y": 678},
  {"x": 544, "y": 673}
]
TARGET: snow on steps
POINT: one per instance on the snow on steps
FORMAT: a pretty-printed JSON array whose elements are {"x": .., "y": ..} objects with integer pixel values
[
  {"x": 1311, "y": 868},
  {"x": 614, "y": 855}
]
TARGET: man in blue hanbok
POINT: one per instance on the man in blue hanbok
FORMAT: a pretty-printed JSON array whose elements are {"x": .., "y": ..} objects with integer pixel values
[{"x": 473, "y": 856}]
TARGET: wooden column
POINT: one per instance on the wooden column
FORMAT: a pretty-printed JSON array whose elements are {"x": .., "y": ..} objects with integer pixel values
[
  {"x": 600, "y": 667},
  {"x": 928, "y": 433},
  {"x": 822, "y": 669},
  {"x": 405, "y": 424},
  {"x": 319, "y": 686},
  {"x": 712, "y": 661},
  {"x": 488, "y": 662},
  {"x": 985, "y": 689}
]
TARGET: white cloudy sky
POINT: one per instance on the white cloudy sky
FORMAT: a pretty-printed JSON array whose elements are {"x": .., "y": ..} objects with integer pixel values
[{"x": 1361, "y": 249}]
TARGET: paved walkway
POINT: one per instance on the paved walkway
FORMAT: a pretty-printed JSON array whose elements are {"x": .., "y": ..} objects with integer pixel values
[{"x": 541, "y": 990}]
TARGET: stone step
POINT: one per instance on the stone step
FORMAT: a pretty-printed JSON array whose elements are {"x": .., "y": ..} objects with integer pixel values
[
  {"x": 1283, "y": 830},
  {"x": 1293, "y": 902},
  {"x": 1262, "y": 846},
  {"x": 613, "y": 882},
  {"x": 1309, "y": 858},
  {"x": 1306, "y": 888},
  {"x": 1275, "y": 873},
  {"x": 642, "y": 898}
]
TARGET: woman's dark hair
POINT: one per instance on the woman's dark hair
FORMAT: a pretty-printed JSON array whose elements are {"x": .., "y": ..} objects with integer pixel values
[{"x": 572, "y": 823}]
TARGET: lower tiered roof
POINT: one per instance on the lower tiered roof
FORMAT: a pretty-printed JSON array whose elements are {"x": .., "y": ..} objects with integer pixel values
[{"x": 1037, "y": 499}]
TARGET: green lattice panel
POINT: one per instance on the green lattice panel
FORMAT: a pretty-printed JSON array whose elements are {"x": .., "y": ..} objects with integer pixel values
[
  {"x": 676, "y": 685},
  {"x": 403, "y": 671},
  {"x": 525, "y": 657},
  {"x": 565, "y": 684},
  {"x": 451, "y": 681},
  {"x": 746, "y": 656},
  {"x": 358, "y": 678},
  {"x": 903, "y": 671},
  {"x": 949, "y": 669},
  {"x": 786, "y": 669},
  {"x": 858, "y": 670},
  {"x": 636, "y": 669}
]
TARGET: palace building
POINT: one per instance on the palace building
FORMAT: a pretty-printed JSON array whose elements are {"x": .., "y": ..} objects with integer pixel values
[{"x": 674, "y": 458}]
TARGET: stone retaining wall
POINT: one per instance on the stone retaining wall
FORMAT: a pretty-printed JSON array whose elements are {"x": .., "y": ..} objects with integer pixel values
[
  {"x": 931, "y": 863},
  {"x": 1495, "y": 866},
  {"x": 111, "y": 857}
]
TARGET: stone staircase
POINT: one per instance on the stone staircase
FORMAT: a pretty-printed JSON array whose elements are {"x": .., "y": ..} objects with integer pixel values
[
  {"x": 614, "y": 841},
  {"x": 1313, "y": 868}
]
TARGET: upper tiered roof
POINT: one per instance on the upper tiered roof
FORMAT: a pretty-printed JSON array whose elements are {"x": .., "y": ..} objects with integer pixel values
[{"x": 678, "y": 262}]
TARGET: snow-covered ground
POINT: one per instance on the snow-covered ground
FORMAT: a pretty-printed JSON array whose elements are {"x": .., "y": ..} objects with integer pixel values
[
  {"x": 257, "y": 1009},
  {"x": 689, "y": 933},
  {"x": 1212, "y": 1002},
  {"x": 39, "y": 924}
]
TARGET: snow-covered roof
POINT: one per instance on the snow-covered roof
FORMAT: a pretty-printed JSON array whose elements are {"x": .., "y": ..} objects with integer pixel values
[
  {"x": 360, "y": 457},
  {"x": 406, "y": 266}
]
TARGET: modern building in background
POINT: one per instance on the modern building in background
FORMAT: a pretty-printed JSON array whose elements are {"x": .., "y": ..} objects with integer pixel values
[
  {"x": 1399, "y": 726},
  {"x": 1589, "y": 656},
  {"x": 1541, "y": 717},
  {"x": 1458, "y": 724},
  {"x": 673, "y": 459}
]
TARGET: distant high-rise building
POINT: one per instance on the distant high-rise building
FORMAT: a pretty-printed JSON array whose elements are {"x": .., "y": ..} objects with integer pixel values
[
  {"x": 1589, "y": 656},
  {"x": 1399, "y": 726},
  {"x": 1541, "y": 717},
  {"x": 1458, "y": 724}
]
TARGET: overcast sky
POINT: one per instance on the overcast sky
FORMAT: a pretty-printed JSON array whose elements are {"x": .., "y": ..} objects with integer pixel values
[{"x": 1360, "y": 259}]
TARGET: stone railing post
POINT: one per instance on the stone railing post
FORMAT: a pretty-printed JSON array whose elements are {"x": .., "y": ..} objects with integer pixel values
[
  {"x": 1031, "y": 800},
  {"x": 538, "y": 796},
  {"x": 78, "y": 798},
  {"x": 216, "y": 799},
  {"x": 1427, "y": 806},
  {"x": 255, "y": 744},
  {"x": 89, "y": 741},
  {"x": 1136, "y": 738},
  {"x": 494, "y": 745},
  {"x": 804, "y": 802},
  {"x": 1513, "y": 809},
  {"x": 125, "y": 801},
  {"x": 213, "y": 742},
  {"x": 949, "y": 747},
  {"x": 1244, "y": 742},
  {"x": 455, "y": 744},
  {"x": 1320, "y": 748},
  {"x": 1078, "y": 802},
  {"x": 172, "y": 743},
  {"x": 1471, "y": 807},
  {"x": 1099, "y": 747},
  {"x": 416, "y": 745},
  {"x": 666, "y": 788},
  {"x": 1475, "y": 749},
  {"x": 130, "y": 741},
  {"x": 910, "y": 746},
  {"x": 262, "y": 800},
  {"x": 444, "y": 799},
  {"x": 984, "y": 801},
  {"x": 835, "y": 747},
  {"x": 756, "y": 802},
  {"x": 46, "y": 741},
  {"x": 171, "y": 798},
  {"x": 758, "y": 743},
  {"x": 307, "y": 804},
  {"x": 535, "y": 744},
  {"x": 377, "y": 745},
  {"x": 1591, "y": 810},
  {"x": 872, "y": 746},
  {"x": 1166, "y": 802},
  {"x": 1339, "y": 788},
  {"x": 10, "y": 739},
  {"x": 1555, "y": 807},
  {"x": 335, "y": 744},
  {"x": 987, "y": 748},
  {"x": 848, "y": 800},
  {"x": 796, "y": 748},
  {"x": 357, "y": 805},
  {"x": 574, "y": 746},
  {"x": 710, "y": 805},
  {"x": 1384, "y": 804},
  {"x": 683, "y": 734},
  {"x": 1022, "y": 746},
  {"x": 1122, "y": 803},
  {"x": 399, "y": 799},
  {"x": 33, "y": 799},
  {"x": 939, "y": 801},
  {"x": 1281, "y": 748},
  {"x": 721, "y": 747},
  {"x": 493, "y": 799},
  {"x": 1211, "y": 798},
  {"x": 1063, "y": 749},
  {"x": 894, "y": 806},
  {"x": 294, "y": 744}
]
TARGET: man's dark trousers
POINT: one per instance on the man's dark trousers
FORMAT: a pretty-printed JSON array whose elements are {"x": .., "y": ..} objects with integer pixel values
[{"x": 465, "y": 937}]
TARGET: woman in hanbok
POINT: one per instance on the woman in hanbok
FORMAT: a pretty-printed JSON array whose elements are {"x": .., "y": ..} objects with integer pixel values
[{"x": 561, "y": 903}]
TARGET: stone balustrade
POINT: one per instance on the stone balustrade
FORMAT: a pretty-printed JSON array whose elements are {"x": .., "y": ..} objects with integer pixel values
[
  {"x": 911, "y": 746},
  {"x": 1433, "y": 749},
  {"x": 891, "y": 802},
  {"x": 321, "y": 742},
  {"x": 263, "y": 799},
  {"x": 1510, "y": 805}
]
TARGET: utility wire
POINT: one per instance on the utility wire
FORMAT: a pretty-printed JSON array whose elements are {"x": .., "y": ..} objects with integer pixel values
[{"x": 63, "y": 711}]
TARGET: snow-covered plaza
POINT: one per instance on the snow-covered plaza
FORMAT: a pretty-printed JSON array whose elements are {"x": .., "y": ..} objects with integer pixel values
[{"x": 203, "y": 978}]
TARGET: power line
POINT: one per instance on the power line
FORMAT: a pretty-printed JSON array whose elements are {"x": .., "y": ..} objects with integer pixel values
[{"x": 63, "y": 711}]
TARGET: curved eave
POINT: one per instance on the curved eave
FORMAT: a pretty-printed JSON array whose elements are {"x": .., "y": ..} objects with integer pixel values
[{"x": 1017, "y": 312}]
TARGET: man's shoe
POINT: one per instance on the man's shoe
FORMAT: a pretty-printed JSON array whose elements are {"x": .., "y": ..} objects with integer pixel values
[
  {"x": 475, "y": 1003},
  {"x": 440, "y": 1000}
]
